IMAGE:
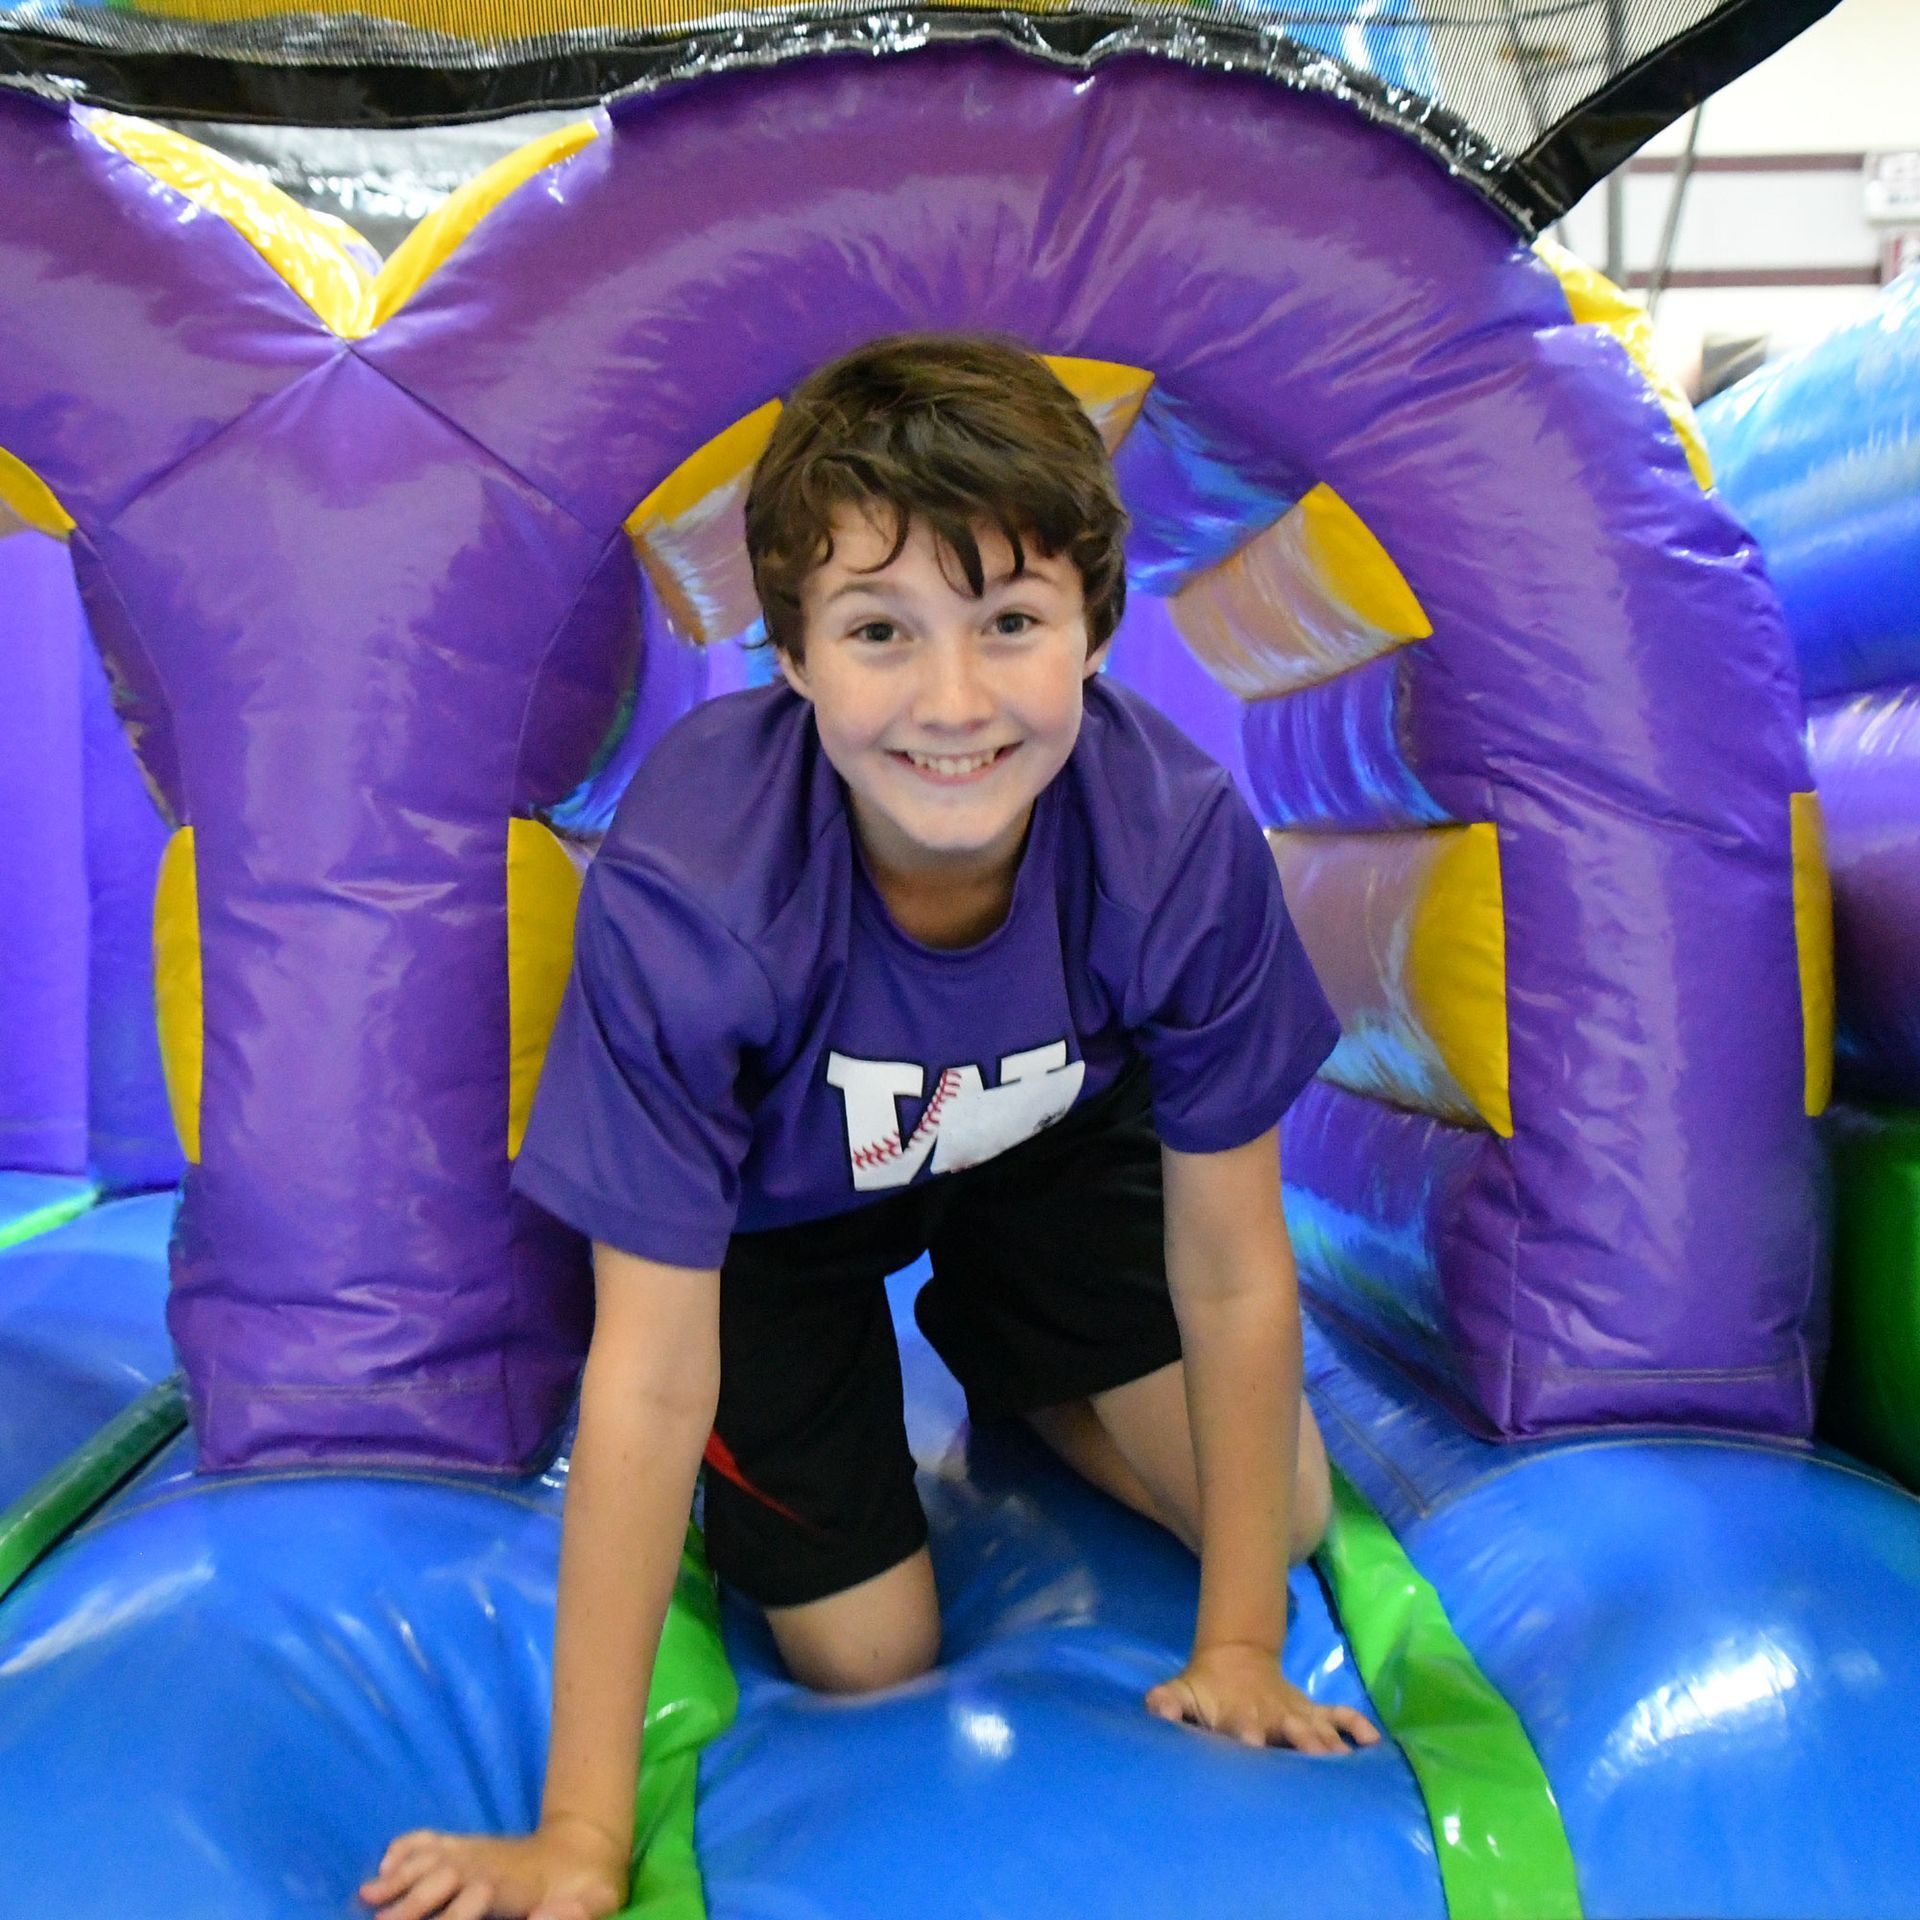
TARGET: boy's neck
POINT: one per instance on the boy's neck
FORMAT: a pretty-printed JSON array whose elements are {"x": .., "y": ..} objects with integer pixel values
[{"x": 943, "y": 901}]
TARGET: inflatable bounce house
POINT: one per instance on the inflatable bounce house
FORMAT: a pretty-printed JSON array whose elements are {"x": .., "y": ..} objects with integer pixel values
[
  {"x": 1820, "y": 456},
  {"x": 397, "y": 569}
]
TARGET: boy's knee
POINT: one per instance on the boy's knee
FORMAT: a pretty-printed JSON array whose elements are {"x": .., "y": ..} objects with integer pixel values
[
  {"x": 1312, "y": 1515},
  {"x": 1312, "y": 1491},
  {"x": 864, "y": 1664},
  {"x": 875, "y": 1635}
]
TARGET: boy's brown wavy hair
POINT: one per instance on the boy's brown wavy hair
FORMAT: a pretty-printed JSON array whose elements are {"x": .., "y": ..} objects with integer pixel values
[{"x": 956, "y": 431}]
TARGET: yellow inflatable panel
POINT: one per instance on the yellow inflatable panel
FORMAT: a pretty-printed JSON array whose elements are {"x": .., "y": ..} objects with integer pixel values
[
  {"x": 1407, "y": 933},
  {"x": 1311, "y": 597},
  {"x": 1354, "y": 569},
  {"x": 1111, "y": 392},
  {"x": 311, "y": 252},
  {"x": 426, "y": 249},
  {"x": 1457, "y": 968},
  {"x": 1595, "y": 301},
  {"x": 1813, "y": 934},
  {"x": 177, "y": 986},
  {"x": 688, "y": 530},
  {"x": 689, "y": 534},
  {"x": 543, "y": 895},
  {"x": 27, "y": 501}
]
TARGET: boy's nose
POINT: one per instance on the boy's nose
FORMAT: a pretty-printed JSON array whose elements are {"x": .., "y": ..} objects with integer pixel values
[{"x": 952, "y": 694}]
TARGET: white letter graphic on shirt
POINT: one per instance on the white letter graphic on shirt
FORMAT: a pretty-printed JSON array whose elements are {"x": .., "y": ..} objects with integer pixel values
[{"x": 965, "y": 1122}]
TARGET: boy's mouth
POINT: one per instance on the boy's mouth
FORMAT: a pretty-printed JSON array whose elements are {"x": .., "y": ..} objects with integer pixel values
[{"x": 954, "y": 769}]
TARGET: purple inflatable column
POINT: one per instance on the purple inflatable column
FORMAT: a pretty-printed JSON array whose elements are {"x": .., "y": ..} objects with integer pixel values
[
  {"x": 352, "y": 647},
  {"x": 131, "y": 1132},
  {"x": 43, "y": 872},
  {"x": 350, "y": 703}
]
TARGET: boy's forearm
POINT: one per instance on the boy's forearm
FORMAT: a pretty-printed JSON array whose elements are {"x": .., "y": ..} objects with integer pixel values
[
  {"x": 1243, "y": 1367},
  {"x": 629, "y": 1491}
]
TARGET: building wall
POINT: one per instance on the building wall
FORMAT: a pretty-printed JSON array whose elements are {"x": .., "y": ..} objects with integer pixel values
[{"x": 1844, "y": 87}]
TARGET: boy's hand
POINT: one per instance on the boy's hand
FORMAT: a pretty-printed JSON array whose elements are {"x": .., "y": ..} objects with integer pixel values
[
  {"x": 1241, "y": 1692},
  {"x": 567, "y": 1870}
]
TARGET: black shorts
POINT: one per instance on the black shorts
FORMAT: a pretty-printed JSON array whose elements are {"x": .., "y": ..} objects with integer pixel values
[{"x": 1049, "y": 1284}]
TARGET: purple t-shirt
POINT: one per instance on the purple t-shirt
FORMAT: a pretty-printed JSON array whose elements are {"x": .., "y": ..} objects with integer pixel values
[{"x": 749, "y": 1040}]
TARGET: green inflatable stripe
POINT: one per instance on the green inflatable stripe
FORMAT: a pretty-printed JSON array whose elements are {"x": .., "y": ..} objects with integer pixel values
[
  {"x": 693, "y": 1699},
  {"x": 1871, "y": 1402},
  {"x": 1502, "y": 1847},
  {"x": 49, "y": 1511},
  {"x": 56, "y": 1213}
]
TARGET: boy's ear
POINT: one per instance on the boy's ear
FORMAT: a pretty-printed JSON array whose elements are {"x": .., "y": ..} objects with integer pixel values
[
  {"x": 1096, "y": 658},
  {"x": 795, "y": 672}
]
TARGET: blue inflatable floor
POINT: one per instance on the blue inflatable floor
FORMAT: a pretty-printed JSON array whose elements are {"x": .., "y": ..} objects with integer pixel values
[
  {"x": 30, "y": 1203},
  {"x": 1710, "y": 1646},
  {"x": 82, "y": 1331},
  {"x": 1024, "y": 1777}
]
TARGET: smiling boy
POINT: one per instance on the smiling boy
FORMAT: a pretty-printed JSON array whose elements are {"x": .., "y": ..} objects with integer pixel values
[{"x": 941, "y": 943}]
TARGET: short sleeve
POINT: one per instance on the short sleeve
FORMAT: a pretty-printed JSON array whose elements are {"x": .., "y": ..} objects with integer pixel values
[
  {"x": 1226, "y": 1007},
  {"x": 638, "y": 1129}
]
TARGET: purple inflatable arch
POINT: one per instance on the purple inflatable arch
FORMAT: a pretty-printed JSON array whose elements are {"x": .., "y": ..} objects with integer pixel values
[{"x": 366, "y": 600}]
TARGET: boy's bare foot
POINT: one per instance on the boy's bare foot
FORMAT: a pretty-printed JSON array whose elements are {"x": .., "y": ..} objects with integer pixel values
[{"x": 569, "y": 1869}]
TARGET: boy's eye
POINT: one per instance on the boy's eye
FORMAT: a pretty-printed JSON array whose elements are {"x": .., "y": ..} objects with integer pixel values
[
  {"x": 877, "y": 632},
  {"x": 1012, "y": 622}
]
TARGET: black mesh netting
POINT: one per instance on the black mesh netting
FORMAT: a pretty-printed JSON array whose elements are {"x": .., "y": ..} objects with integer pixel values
[{"x": 1531, "y": 100}]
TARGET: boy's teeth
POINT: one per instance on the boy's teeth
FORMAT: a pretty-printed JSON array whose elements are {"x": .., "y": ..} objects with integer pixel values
[{"x": 952, "y": 765}]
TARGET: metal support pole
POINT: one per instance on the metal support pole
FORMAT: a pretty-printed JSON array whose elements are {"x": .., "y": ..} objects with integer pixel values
[{"x": 1676, "y": 202}]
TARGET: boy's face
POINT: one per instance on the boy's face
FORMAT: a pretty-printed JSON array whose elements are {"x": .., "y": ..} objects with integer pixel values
[{"x": 945, "y": 715}]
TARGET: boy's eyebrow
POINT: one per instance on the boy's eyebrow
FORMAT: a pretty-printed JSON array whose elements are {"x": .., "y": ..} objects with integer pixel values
[
  {"x": 881, "y": 588},
  {"x": 860, "y": 584}
]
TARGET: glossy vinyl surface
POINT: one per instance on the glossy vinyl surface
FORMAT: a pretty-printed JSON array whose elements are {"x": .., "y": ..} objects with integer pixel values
[
  {"x": 1710, "y": 1755},
  {"x": 1375, "y": 1202},
  {"x": 671, "y": 678},
  {"x": 1565, "y": 741},
  {"x": 367, "y": 603},
  {"x": 364, "y": 1657},
  {"x": 31, "y": 1203},
  {"x": 1866, "y": 758},
  {"x": 339, "y": 67},
  {"x": 362, "y": 834},
  {"x": 80, "y": 1085},
  {"x": 384, "y": 1663},
  {"x": 1706, "y": 1645},
  {"x": 131, "y": 1140},
  {"x": 82, "y": 1332},
  {"x": 174, "y": 328},
  {"x": 1405, "y": 939},
  {"x": 1336, "y": 754},
  {"x": 1059, "y": 1610},
  {"x": 1872, "y": 1387},
  {"x": 43, "y": 959},
  {"x": 1708, "y": 1642},
  {"x": 1819, "y": 453},
  {"x": 1147, "y": 656}
]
